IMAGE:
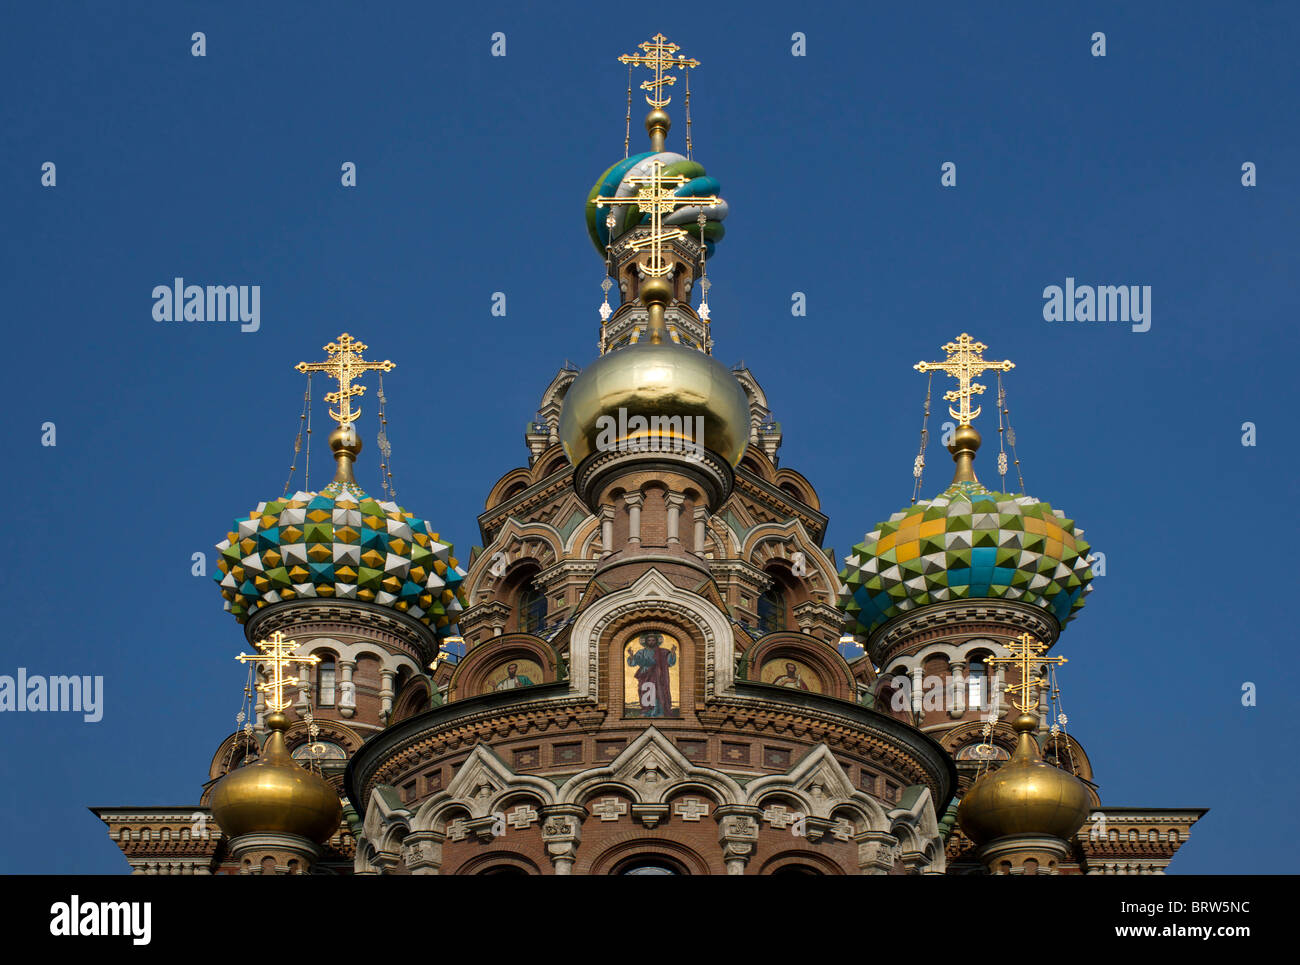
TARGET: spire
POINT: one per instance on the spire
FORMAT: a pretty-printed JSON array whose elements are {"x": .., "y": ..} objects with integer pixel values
[
  {"x": 343, "y": 365},
  {"x": 965, "y": 361}
]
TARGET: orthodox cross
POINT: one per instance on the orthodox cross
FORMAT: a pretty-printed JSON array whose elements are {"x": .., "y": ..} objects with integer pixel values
[
  {"x": 343, "y": 365},
  {"x": 658, "y": 57},
  {"x": 965, "y": 361},
  {"x": 655, "y": 196},
  {"x": 279, "y": 653},
  {"x": 1030, "y": 654}
]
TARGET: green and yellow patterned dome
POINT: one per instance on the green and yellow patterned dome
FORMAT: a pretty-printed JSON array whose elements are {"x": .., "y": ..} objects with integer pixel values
[
  {"x": 967, "y": 543},
  {"x": 340, "y": 543}
]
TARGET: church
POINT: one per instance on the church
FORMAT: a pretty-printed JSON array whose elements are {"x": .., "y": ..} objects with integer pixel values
[{"x": 652, "y": 665}]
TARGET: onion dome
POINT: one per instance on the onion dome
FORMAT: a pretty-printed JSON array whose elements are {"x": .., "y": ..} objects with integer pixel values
[
  {"x": 340, "y": 543},
  {"x": 275, "y": 794},
  {"x": 1024, "y": 796},
  {"x": 619, "y": 180},
  {"x": 630, "y": 397},
  {"x": 664, "y": 381},
  {"x": 967, "y": 543}
]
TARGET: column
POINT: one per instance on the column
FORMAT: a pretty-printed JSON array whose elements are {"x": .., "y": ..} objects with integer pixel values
[
  {"x": 347, "y": 696},
  {"x": 958, "y": 706},
  {"x": 918, "y": 681},
  {"x": 259, "y": 709},
  {"x": 633, "y": 501},
  {"x": 422, "y": 852},
  {"x": 606, "y": 530},
  {"x": 675, "y": 501},
  {"x": 738, "y": 835},
  {"x": 700, "y": 517},
  {"x": 385, "y": 693},
  {"x": 561, "y": 835}
]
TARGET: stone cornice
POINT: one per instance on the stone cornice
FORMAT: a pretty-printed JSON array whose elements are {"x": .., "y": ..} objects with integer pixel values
[
  {"x": 538, "y": 494},
  {"x": 486, "y": 710},
  {"x": 740, "y": 570},
  {"x": 345, "y": 618},
  {"x": 753, "y": 705},
  {"x": 752, "y": 485},
  {"x": 962, "y": 615}
]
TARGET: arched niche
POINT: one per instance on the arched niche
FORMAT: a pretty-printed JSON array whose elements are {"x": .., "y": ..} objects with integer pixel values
[
  {"x": 818, "y": 667},
  {"x": 487, "y": 667}
]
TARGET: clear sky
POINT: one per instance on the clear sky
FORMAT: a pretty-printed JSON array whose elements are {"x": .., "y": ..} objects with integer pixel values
[{"x": 471, "y": 175}]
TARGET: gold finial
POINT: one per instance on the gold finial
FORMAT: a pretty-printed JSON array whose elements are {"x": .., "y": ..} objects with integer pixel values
[
  {"x": 279, "y": 653},
  {"x": 965, "y": 361},
  {"x": 655, "y": 196},
  {"x": 1030, "y": 654},
  {"x": 343, "y": 365},
  {"x": 659, "y": 58}
]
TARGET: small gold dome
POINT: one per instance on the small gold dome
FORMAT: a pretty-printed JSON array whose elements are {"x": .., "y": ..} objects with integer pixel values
[
  {"x": 1026, "y": 795},
  {"x": 276, "y": 794},
  {"x": 648, "y": 380}
]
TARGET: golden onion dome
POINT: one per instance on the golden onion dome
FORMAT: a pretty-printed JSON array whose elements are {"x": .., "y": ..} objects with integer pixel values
[
  {"x": 276, "y": 794},
  {"x": 664, "y": 381},
  {"x": 1026, "y": 795}
]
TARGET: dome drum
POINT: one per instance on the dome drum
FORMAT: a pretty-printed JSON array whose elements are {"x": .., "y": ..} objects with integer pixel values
[{"x": 712, "y": 475}]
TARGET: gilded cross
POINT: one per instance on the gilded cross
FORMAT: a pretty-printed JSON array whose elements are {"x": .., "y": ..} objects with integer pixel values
[
  {"x": 658, "y": 57},
  {"x": 343, "y": 365},
  {"x": 278, "y": 653},
  {"x": 965, "y": 361},
  {"x": 1030, "y": 654},
  {"x": 655, "y": 196}
]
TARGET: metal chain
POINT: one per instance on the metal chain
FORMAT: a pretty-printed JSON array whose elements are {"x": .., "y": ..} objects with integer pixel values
[
  {"x": 297, "y": 442},
  {"x": 918, "y": 466},
  {"x": 244, "y": 721},
  {"x": 627, "y": 133},
  {"x": 306, "y": 466},
  {"x": 1011, "y": 433},
  {"x": 1059, "y": 720},
  {"x": 688, "y": 113},
  {"x": 385, "y": 447}
]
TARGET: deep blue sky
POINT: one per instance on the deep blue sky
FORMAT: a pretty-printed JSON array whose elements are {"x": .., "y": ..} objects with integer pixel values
[{"x": 472, "y": 171}]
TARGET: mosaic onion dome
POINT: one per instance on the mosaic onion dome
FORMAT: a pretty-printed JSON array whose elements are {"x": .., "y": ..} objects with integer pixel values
[
  {"x": 340, "y": 543},
  {"x": 967, "y": 543},
  {"x": 614, "y": 183},
  {"x": 1026, "y": 795},
  {"x": 276, "y": 794}
]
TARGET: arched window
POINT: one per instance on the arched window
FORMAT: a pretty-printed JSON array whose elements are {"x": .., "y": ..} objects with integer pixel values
[
  {"x": 325, "y": 682},
  {"x": 532, "y": 610},
  {"x": 771, "y": 610},
  {"x": 977, "y": 689},
  {"x": 650, "y": 865}
]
